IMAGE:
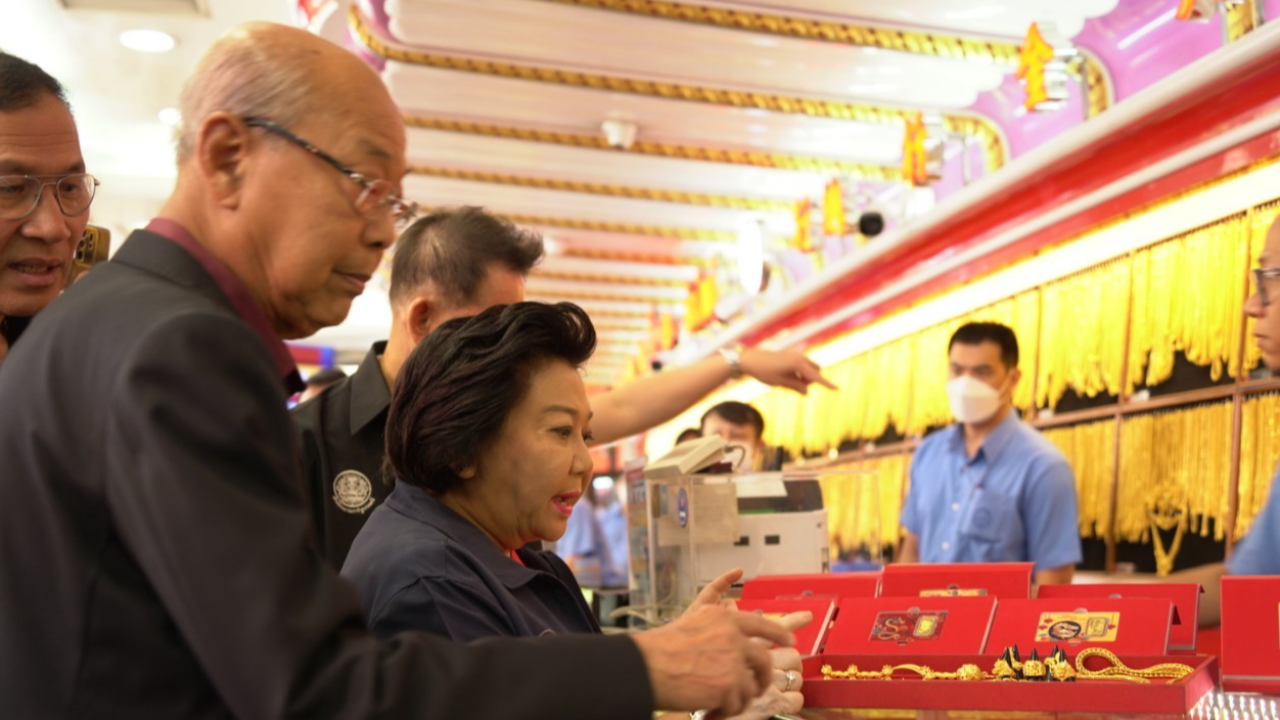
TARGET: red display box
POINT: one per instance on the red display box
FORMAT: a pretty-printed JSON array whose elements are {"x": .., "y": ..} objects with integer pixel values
[
  {"x": 1125, "y": 626},
  {"x": 834, "y": 585},
  {"x": 809, "y": 638},
  {"x": 1000, "y": 580},
  {"x": 1185, "y": 597},
  {"x": 1250, "y": 634},
  {"x": 920, "y": 626},
  {"x": 1085, "y": 696}
]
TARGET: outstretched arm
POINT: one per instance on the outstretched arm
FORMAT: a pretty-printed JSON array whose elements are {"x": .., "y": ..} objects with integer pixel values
[{"x": 655, "y": 399}]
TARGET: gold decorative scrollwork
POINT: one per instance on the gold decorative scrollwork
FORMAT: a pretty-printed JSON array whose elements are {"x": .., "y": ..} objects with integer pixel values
[
  {"x": 798, "y": 163},
  {"x": 679, "y": 233},
  {"x": 591, "y": 188},
  {"x": 983, "y": 129},
  {"x": 1088, "y": 70}
]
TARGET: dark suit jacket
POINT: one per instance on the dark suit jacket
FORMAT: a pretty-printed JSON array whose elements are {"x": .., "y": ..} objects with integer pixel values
[{"x": 156, "y": 558}]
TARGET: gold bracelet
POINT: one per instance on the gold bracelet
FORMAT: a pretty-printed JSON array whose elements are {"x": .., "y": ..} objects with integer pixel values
[{"x": 967, "y": 672}]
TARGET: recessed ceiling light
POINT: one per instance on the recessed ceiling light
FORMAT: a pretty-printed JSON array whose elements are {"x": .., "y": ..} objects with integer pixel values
[
  {"x": 170, "y": 116},
  {"x": 144, "y": 40}
]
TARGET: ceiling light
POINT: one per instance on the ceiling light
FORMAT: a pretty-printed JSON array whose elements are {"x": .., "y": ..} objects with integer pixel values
[
  {"x": 144, "y": 40},
  {"x": 170, "y": 116}
]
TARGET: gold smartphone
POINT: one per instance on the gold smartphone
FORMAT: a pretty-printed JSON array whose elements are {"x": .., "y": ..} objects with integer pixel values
[{"x": 94, "y": 246}]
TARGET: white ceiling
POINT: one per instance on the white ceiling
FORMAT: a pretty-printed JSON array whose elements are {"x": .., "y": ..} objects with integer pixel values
[{"x": 611, "y": 270}]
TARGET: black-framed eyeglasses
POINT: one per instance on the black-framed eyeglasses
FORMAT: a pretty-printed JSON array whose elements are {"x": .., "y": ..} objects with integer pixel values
[
  {"x": 1260, "y": 278},
  {"x": 375, "y": 195},
  {"x": 20, "y": 194}
]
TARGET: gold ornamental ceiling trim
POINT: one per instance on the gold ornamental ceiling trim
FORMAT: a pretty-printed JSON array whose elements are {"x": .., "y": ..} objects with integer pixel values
[
  {"x": 660, "y": 231},
  {"x": 591, "y": 188},
  {"x": 918, "y": 43},
  {"x": 678, "y": 233},
  {"x": 607, "y": 278},
  {"x": 1090, "y": 71},
  {"x": 985, "y": 130},
  {"x": 752, "y": 158},
  {"x": 590, "y": 295},
  {"x": 600, "y": 254},
  {"x": 605, "y": 328},
  {"x": 598, "y": 312}
]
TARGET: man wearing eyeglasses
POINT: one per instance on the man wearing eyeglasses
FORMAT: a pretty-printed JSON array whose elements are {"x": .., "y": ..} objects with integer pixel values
[
  {"x": 156, "y": 558},
  {"x": 44, "y": 193}
]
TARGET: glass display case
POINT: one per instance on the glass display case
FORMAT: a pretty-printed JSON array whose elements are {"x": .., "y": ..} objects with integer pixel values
[{"x": 687, "y": 530}]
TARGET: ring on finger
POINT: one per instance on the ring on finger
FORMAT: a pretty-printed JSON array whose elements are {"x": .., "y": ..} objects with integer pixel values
[{"x": 791, "y": 679}]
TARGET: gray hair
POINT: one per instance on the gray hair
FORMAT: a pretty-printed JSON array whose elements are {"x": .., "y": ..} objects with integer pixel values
[{"x": 249, "y": 80}]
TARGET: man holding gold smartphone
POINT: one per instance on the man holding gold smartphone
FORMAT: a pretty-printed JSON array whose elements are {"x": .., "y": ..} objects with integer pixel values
[{"x": 44, "y": 193}]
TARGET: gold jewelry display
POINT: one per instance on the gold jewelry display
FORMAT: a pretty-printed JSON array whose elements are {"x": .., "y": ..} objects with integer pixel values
[
  {"x": 1090, "y": 450},
  {"x": 967, "y": 672},
  {"x": 1259, "y": 448},
  {"x": 1184, "y": 487},
  {"x": 1183, "y": 295},
  {"x": 1056, "y": 667}
]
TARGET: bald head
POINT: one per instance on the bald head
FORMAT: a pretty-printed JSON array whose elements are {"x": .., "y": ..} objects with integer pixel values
[
  {"x": 276, "y": 72},
  {"x": 284, "y": 136}
]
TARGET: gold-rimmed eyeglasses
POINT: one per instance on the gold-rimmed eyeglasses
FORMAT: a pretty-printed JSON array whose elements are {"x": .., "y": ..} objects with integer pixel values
[{"x": 20, "y": 194}]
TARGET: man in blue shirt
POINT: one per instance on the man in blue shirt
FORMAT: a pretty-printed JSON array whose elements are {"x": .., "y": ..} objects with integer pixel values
[{"x": 990, "y": 488}]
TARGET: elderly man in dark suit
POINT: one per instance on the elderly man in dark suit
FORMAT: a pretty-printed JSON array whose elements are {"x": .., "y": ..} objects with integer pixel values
[{"x": 155, "y": 554}]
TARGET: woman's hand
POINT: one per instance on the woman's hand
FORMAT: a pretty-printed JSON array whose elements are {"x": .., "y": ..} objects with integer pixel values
[{"x": 784, "y": 696}]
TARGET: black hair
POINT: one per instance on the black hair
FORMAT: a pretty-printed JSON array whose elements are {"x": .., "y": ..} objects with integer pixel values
[
  {"x": 453, "y": 249},
  {"x": 976, "y": 333},
  {"x": 459, "y": 385},
  {"x": 739, "y": 414},
  {"x": 22, "y": 84}
]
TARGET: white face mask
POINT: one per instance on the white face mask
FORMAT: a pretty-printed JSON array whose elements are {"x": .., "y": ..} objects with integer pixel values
[{"x": 972, "y": 401}]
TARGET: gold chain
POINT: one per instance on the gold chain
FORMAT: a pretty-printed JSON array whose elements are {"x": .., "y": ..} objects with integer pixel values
[
  {"x": 1172, "y": 671},
  {"x": 1056, "y": 666}
]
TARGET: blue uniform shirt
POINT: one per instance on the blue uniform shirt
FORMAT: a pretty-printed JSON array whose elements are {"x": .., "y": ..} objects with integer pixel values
[
  {"x": 583, "y": 542},
  {"x": 613, "y": 520},
  {"x": 1014, "y": 501},
  {"x": 417, "y": 565},
  {"x": 1259, "y": 552}
]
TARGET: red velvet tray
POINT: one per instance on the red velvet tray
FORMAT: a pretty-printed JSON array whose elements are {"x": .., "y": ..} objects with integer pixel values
[
  {"x": 1250, "y": 634},
  {"x": 959, "y": 625},
  {"x": 1001, "y": 580},
  {"x": 1141, "y": 625},
  {"x": 837, "y": 585},
  {"x": 1185, "y": 597},
  {"x": 1092, "y": 696},
  {"x": 809, "y": 638}
]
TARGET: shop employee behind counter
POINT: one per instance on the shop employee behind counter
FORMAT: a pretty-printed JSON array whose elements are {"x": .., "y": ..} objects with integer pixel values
[{"x": 990, "y": 488}]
